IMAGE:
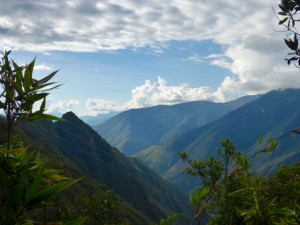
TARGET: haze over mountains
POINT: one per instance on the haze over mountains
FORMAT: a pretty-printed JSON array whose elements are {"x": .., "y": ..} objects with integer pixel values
[
  {"x": 137, "y": 129},
  {"x": 167, "y": 132}
]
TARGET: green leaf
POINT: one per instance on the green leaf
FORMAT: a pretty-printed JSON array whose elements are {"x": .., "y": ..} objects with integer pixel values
[
  {"x": 199, "y": 195},
  {"x": 36, "y": 184},
  {"x": 46, "y": 79},
  {"x": 31, "y": 99},
  {"x": 292, "y": 45},
  {"x": 282, "y": 13},
  {"x": 43, "y": 105},
  {"x": 283, "y": 8},
  {"x": 78, "y": 221},
  {"x": 296, "y": 41},
  {"x": 260, "y": 140},
  {"x": 38, "y": 87},
  {"x": 283, "y": 20},
  {"x": 50, "y": 117},
  {"x": 17, "y": 87},
  {"x": 27, "y": 79},
  {"x": 50, "y": 191},
  {"x": 16, "y": 66}
]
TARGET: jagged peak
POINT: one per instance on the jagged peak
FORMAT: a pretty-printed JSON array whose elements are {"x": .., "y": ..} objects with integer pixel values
[{"x": 70, "y": 116}]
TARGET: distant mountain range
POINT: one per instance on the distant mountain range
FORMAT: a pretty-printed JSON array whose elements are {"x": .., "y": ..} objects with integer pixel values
[
  {"x": 100, "y": 118},
  {"x": 137, "y": 129},
  {"x": 130, "y": 178},
  {"x": 266, "y": 116}
]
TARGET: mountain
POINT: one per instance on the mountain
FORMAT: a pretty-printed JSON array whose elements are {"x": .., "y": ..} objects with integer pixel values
[
  {"x": 137, "y": 129},
  {"x": 271, "y": 115},
  {"x": 100, "y": 118},
  {"x": 130, "y": 178},
  {"x": 71, "y": 201}
]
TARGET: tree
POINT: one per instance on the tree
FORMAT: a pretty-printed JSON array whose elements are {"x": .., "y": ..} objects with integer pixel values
[{"x": 231, "y": 194}]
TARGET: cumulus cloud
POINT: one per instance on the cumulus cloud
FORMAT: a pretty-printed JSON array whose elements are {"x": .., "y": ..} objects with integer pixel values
[
  {"x": 159, "y": 93},
  {"x": 62, "y": 106},
  {"x": 252, "y": 51}
]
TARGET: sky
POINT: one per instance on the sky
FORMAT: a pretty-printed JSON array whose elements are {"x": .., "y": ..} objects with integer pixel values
[{"x": 115, "y": 55}]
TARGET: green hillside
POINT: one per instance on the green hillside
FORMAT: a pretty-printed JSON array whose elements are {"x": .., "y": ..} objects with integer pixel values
[
  {"x": 133, "y": 181},
  {"x": 71, "y": 202}
]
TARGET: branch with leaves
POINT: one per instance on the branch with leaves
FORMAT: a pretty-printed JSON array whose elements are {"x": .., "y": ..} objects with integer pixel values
[{"x": 289, "y": 17}]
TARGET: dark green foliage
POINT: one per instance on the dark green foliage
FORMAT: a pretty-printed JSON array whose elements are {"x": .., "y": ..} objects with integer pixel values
[
  {"x": 25, "y": 183},
  {"x": 21, "y": 91},
  {"x": 231, "y": 194},
  {"x": 289, "y": 18}
]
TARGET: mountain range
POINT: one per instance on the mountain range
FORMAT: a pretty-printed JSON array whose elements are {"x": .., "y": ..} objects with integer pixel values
[
  {"x": 149, "y": 197},
  {"x": 137, "y": 129},
  {"x": 269, "y": 115}
]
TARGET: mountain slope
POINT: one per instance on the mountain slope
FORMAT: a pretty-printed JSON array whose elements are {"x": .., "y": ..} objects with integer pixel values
[
  {"x": 135, "y": 130},
  {"x": 271, "y": 115},
  {"x": 74, "y": 198},
  {"x": 132, "y": 180}
]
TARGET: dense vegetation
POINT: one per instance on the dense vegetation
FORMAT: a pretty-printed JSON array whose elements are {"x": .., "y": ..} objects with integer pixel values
[{"x": 231, "y": 193}]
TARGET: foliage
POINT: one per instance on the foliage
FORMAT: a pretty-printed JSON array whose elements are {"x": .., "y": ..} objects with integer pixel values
[
  {"x": 101, "y": 209},
  {"x": 289, "y": 16},
  {"x": 21, "y": 91},
  {"x": 174, "y": 219},
  {"x": 25, "y": 183},
  {"x": 232, "y": 194}
]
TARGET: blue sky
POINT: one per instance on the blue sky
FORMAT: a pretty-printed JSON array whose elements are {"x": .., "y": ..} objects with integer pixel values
[{"x": 118, "y": 55}]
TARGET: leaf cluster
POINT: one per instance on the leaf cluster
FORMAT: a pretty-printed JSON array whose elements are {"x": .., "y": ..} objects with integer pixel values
[
  {"x": 25, "y": 184},
  {"x": 289, "y": 11}
]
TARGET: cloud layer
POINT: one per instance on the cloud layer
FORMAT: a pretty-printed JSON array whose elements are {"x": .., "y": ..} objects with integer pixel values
[
  {"x": 252, "y": 51},
  {"x": 88, "y": 25}
]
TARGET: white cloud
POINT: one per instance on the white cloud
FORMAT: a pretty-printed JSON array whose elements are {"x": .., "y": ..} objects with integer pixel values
[
  {"x": 62, "y": 106},
  {"x": 158, "y": 93},
  {"x": 43, "y": 67},
  {"x": 194, "y": 58},
  {"x": 99, "y": 106},
  {"x": 88, "y": 25}
]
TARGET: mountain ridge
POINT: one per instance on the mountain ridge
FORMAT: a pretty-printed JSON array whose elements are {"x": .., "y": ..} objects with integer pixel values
[
  {"x": 95, "y": 157},
  {"x": 137, "y": 129},
  {"x": 270, "y": 115}
]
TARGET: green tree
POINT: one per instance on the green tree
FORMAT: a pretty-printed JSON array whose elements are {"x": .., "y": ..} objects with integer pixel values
[{"x": 232, "y": 194}]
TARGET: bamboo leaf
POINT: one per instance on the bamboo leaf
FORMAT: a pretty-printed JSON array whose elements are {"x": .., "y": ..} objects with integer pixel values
[
  {"x": 78, "y": 221},
  {"x": 36, "y": 184},
  {"x": 46, "y": 79},
  {"x": 50, "y": 191}
]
